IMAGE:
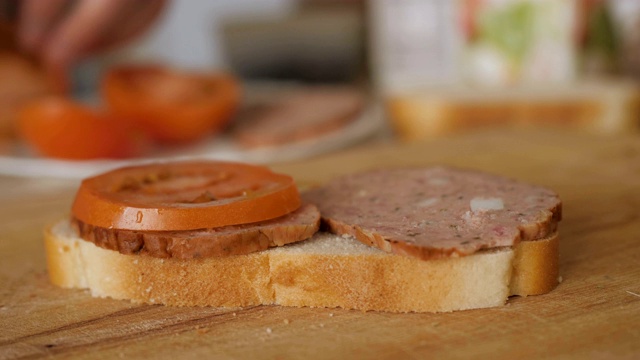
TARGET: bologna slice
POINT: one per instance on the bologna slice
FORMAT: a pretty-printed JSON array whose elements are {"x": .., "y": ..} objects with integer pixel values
[{"x": 436, "y": 212}]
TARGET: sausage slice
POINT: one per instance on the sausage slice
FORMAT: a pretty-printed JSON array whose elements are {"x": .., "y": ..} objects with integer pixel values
[
  {"x": 224, "y": 241},
  {"x": 436, "y": 212}
]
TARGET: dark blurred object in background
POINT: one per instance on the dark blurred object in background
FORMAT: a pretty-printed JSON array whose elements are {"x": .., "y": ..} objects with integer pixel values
[
  {"x": 322, "y": 41},
  {"x": 626, "y": 19},
  {"x": 598, "y": 38},
  {"x": 8, "y": 11}
]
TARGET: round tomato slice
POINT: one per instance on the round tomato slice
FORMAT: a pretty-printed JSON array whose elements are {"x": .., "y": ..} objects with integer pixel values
[
  {"x": 172, "y": 106},
  {"x": 184, "y": 196},
  {"x": 61, "y": 128}
]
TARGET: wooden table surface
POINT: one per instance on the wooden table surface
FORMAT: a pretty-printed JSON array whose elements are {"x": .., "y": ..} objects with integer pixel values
[{"x": 594, "y": 312}]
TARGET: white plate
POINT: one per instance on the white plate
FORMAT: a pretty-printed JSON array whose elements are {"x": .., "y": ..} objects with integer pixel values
[{"x": 371, "y": 122}]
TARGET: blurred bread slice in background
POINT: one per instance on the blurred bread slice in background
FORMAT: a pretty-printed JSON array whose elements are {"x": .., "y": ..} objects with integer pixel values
[{"x": 606, "y": 107}]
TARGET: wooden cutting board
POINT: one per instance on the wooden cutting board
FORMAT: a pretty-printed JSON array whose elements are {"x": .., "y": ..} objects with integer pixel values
[{"x": 594, "y": 312}]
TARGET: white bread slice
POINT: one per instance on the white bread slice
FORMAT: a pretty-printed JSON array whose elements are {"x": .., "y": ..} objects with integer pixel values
[{"x": 325, "y": 271}]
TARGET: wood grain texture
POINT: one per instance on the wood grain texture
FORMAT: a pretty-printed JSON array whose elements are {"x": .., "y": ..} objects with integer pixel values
[{"x": 594, "y": 312}]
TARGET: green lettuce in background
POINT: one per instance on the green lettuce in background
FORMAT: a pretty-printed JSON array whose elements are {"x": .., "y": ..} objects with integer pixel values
[{"x": 509, "y": 29}]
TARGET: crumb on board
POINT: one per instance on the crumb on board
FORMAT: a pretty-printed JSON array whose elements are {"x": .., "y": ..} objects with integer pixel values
[
  {"x": 330, "y": 314},
  {"x": 560, "y": 279},
  {"x": 234, "y": 314},
  {"x": 632, "y": 293},
  {"x": 286, "y": 321},
  {"x": 203, "y": 330},
  {"x": 269, "y": 331}
]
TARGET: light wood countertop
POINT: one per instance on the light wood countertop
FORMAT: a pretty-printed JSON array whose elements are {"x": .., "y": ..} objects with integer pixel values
[{"x": 594, "y": 312}]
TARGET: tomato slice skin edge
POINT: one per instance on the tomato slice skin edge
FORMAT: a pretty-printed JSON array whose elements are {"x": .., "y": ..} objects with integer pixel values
[{"x": 95, "y": 206}]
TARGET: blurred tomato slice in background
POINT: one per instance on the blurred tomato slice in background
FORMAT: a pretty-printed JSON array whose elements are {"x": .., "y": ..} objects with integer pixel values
[
  {"x": 169, "y": 105},
  {"x": 61, "y": 128}
]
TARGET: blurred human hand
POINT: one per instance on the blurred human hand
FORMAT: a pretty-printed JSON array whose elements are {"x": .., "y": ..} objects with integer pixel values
[{"x": 62, "y": 32}]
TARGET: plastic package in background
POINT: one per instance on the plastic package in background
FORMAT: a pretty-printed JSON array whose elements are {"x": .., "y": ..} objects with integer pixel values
[
  {"x": 519, "y": 42},
  {"x": 420, "y": 44},
  {"x": 626, "y": 17},
  {"x": 414, "y": 43}
]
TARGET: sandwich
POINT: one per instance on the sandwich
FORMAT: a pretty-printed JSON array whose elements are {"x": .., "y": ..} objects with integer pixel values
[{"x": 209, "y": 233}]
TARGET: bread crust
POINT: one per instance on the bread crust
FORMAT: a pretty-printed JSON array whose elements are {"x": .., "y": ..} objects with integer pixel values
[
  {"x": 231, "y": 281},
  {"x": 301, "y": 275},
  {"x": 536, "y": 268}
]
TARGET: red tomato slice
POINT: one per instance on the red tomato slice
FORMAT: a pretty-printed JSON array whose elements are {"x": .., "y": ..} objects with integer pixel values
[
  {"x": 61, "y": 128},
  {"x": 184, "y": 196},
  {"x": 171, "y": 106}
]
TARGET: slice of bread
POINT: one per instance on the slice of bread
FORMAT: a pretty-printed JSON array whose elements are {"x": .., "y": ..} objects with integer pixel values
[
  {"x": 601, "y": 107},
  {"x": 325, "y": 271}
]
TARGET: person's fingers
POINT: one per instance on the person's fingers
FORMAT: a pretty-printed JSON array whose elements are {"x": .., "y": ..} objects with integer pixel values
[
  {"x": 81, "y": 29},
  {"x": 36, "y": 19},
  {"x": 95, "y": 25}
]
